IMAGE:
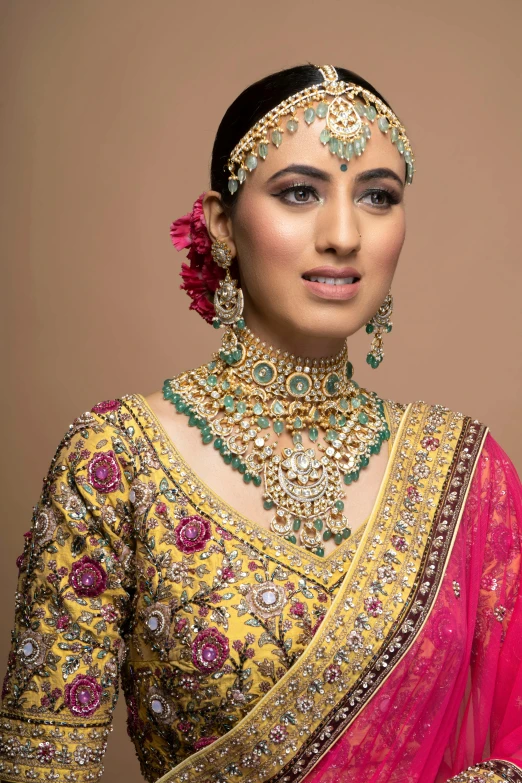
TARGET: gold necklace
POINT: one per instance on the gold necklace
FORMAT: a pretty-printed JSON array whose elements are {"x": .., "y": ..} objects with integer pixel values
[{"x": 250, "y": 393}]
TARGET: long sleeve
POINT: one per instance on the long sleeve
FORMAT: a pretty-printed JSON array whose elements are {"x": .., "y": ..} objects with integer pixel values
[
  {"x": 73, "y": 598},
  {"x": 488, "y": 743}
]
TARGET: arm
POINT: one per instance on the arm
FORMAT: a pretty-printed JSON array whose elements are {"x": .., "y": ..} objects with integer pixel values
[{"x": 73, "y": 594}]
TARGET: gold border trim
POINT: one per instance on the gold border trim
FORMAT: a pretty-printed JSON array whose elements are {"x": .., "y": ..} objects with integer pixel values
[
  {"x": 327, "y": 571},
  {"x": 493, "y": 770},
  {"x": 360, "y": 676}
]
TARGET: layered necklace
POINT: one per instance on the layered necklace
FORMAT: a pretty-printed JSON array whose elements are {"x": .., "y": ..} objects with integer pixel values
[{"x": 249, "y": 394}]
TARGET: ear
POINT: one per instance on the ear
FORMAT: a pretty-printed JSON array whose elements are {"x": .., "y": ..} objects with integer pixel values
[{"x": 219, "y": 224}]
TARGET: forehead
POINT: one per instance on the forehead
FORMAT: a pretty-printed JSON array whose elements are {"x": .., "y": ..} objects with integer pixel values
[{"x": 304, "y": 147}]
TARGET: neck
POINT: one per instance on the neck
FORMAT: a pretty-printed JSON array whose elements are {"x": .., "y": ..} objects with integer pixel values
[{"x": 296, "y": 343}]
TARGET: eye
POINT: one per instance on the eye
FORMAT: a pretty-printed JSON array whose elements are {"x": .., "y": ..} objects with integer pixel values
[
  {"x": 300, "y": 191},
  {"x": 381, "y": 198}
]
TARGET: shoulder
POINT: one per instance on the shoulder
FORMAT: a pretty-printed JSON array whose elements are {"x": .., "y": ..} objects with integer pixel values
[
  {"x": 108, "y": 421},
  {"x": 100, "y": 449},
  {"x": 433, "y": 410}
]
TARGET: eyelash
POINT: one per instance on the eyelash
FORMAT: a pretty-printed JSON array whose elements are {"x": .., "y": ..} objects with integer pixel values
[{"x": 392, "y": 197}]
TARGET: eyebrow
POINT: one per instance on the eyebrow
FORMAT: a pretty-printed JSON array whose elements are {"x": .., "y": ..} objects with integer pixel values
[{"x": 312, "y": 171}]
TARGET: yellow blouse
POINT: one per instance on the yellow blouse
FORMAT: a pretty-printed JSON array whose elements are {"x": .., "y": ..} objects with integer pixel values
[{"x": 134, "y": 568}]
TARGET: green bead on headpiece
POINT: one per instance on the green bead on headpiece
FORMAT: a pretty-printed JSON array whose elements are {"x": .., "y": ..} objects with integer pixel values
[{"x": 347, "y": 108}]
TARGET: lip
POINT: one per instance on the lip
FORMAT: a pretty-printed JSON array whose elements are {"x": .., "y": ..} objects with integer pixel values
[
  {"x": 333, "y": 271},
  {"x": 327, "y": 291}
]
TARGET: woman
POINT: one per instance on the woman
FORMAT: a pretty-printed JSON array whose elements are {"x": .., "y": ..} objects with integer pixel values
[{"x": 297, "y": 580}]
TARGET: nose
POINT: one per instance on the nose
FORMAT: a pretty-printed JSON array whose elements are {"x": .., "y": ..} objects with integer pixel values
[{"x": 337, "y": 227}]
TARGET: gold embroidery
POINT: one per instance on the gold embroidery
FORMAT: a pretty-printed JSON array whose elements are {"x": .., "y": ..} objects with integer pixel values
[
  {"x": 378, "y": 611},
  {"x": 494, "y": 771},
  {"x": 328, "y": 570}
]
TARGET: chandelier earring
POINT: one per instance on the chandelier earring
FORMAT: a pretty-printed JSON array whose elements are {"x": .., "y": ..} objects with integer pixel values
[
  {"x": 228, "y": 306},
  {"x": 379, "y": 324},
  {"x": 228, "y": 298}
]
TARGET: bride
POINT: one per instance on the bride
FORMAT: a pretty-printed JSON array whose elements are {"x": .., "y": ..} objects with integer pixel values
[{"x": 293, "y": 578}]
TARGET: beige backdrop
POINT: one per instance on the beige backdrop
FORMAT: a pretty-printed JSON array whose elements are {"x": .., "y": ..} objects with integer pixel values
[{"x": 109, "y": 108}]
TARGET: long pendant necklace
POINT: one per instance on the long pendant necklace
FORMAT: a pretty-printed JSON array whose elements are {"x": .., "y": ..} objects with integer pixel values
[{"x": 250, "y": 393}]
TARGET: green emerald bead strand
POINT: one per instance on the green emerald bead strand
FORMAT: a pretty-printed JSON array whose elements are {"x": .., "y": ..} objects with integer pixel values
[{"x": 256, "y": 394}]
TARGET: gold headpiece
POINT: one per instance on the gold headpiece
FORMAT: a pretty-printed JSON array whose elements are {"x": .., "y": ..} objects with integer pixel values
[{"x": 345, "y": 132}]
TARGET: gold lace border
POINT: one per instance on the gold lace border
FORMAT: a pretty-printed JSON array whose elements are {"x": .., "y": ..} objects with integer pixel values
[{"x": 289, "y": 730}]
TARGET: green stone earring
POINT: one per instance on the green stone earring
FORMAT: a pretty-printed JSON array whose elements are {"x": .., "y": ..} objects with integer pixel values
[
  {"x": 228, "y": 306},
  {"x": 228, "y": 298},
  {"x": 379, "y": 324}
]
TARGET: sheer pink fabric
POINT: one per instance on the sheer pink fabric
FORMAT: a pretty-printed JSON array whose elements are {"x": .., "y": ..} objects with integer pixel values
[{"x": 456, "y": 697}]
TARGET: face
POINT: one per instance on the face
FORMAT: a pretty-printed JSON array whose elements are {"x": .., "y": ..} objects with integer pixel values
[{"x": 317, "y": 246}]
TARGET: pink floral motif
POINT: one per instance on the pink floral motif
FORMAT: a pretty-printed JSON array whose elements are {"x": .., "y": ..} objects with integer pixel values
[
  {"x": 488, "y": 582},
  {"x": 373, "y": 606},
  {"x": 278, "y": 733},
  {"x": 414, "y": 495},
  {"x": 202, "y": 277},
  {"x": 444, "y": 628},
  {"x": 45, "y": 752},
  {"x": 332, "y": 673},
  {"x": 189, "y": 683},
  {"x": 297, "y": 609},
  {"x": 210, "y": 650},
  {"x": 87, "y": 577},
  {"x": 192, "y": 534},
  {"x": 400, "y": 543},
  {"x": 106, "y": 406},
  {"x": 62, "y": 622},
  {"x": 202, "y": 742},
  {"x": 109, "y": 613},
  {"x": 430, "y": 443},
  {"x": 82, "y": 695},
  {"x": 104, "y": 472},
  {"x": 502, "y": 543}
]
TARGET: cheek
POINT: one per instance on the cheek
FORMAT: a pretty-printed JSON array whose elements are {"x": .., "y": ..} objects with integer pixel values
[
  {"x": 383, "y": 243},
  {"x": 269, "y": 241}
]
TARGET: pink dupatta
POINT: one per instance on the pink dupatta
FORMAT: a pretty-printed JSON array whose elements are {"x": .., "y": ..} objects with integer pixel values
[{"x": 455, "y": 699}]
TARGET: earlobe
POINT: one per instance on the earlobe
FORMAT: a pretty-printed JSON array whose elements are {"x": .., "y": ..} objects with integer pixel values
[{"x": 219, "y": 224}]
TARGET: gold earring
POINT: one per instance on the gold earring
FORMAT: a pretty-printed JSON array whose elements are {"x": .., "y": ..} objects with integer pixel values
[
  {"x": 228, "y": 298},
  {"x": 377, "y": 325}
]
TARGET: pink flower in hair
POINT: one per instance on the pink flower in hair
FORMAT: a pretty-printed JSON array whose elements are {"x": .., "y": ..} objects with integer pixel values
[
  {"x": 180, "y": 232},
  {"x": 202, "y": 277},
  {"x": 198, "y": 228}
]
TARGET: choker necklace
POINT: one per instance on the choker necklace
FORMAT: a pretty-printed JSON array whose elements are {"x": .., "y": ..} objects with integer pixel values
[{"x": 250, "y": 393}]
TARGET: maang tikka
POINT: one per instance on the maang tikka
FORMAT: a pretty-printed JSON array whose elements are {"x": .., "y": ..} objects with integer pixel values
[{"x": 349, "y": 111}]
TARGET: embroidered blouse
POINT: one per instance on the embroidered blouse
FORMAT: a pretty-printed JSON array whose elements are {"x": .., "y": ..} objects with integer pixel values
[{"x": 135, "y": 571}]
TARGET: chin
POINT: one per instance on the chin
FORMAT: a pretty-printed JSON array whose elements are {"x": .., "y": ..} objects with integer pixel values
[{"x": 323, "y": 326}]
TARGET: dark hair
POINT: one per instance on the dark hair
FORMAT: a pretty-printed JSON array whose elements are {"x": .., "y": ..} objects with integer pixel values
[{"x": 253, "y": 103}]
